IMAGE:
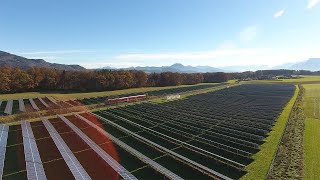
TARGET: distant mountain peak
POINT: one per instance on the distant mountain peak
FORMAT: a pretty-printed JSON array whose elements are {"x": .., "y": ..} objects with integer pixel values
[
  {"x": 177, "y": 65},
  {"x": 312, "y": 64}
]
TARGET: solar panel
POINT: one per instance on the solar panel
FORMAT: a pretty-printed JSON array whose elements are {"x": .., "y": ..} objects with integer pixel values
[
  {"x": 4, "y": 127},
  {"x": 22, "y": 108},
  {"x": 33, "y": 104},
  {"x": 32, "y": 157},
  {"x": 44, "y": 103},
  {"x": 3, "y": 135},
  {"x": 172, "y": 153},
  {"x": 3, "y": 143},
  {"x": 125, "y": 174},
  {"x": 35, "y": 171},
  {"x": 136, "y": 153},
  {"x": 8, "y": 109},
  {"x": 74, "y": 165}
]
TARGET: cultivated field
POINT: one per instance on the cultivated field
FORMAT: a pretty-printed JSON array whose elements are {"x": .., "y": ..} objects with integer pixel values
[{"x": 312, "y": 131}]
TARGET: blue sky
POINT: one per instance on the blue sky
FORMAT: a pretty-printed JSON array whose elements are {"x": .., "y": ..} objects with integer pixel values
[{"x": 122, "y": 33}]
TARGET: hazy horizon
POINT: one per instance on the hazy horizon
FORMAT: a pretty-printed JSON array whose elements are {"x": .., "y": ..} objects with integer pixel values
[{"x": 144, "y": 33}]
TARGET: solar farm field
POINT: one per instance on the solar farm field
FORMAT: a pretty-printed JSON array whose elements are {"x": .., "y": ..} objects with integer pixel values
[
  {"x": 204, "y": 136},
  {"x": 162, "y": 92},
  {"x": 9, "y": 107}
]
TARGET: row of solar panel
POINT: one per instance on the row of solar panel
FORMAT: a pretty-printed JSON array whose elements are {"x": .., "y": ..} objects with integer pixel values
[
  {"x": 34, "y": 165},
  {"x": 10, "y": 107}
]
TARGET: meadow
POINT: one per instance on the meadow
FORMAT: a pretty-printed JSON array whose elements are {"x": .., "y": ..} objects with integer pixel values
[{"x": 312, "y": 131}]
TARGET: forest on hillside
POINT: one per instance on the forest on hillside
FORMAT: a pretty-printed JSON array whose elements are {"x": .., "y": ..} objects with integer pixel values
[{"x": 13, "y": 80}]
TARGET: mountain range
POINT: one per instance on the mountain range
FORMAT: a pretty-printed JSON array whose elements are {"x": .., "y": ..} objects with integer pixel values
[
  {"x": 177, "y": 67},
  {"x": 7, "y": 59},
  {"x": 312, "y": 64}
]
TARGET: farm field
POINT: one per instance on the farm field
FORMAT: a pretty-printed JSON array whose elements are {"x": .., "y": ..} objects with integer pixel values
[
  {"x": 204, "y": 136},
  {"x": 312, "y": 131}
]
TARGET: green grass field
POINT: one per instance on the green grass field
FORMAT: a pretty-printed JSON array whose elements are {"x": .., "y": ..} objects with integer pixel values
[
  {"x": 304, "y": 79},
  {"x": 63, "y": 96},
  {"x": 262, "y": 160},
  {"x": 312, "y": 132}
]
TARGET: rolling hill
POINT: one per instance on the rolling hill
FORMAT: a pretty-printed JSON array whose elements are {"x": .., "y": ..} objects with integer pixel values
[{"x": 7, "y": 59}]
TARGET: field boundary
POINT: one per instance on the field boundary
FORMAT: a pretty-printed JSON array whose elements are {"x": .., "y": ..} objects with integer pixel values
[
  {"x": 259, "y": 168},
  {"x": 299, "y": 98}
]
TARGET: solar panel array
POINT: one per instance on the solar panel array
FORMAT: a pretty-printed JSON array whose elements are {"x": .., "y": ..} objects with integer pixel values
[
  {"x": 113, "y": 163},
  {"x": 22, "y": 107},
  {"x": 3, "y": 143},
  {"x": 8, "y": 109},
  {"x": 173, "y": 140},
  {"x": 174, "y": 154},
  {"x": 34, "y": 165},
  {"x": 144, "y": 158},
  {"x": 74, "y": 165}
]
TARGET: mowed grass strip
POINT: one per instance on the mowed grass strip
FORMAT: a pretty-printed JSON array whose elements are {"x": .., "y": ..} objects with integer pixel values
[
  {"x": 302, "y": 79},
  {"x": 312, "y": 132},
  {"x": 258, "y": 169}
]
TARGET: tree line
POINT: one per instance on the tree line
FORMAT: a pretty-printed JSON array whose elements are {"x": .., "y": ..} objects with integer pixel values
[{"x": 13, "y": 80}]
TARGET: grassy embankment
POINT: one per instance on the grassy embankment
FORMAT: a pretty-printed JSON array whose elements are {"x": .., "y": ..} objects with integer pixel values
[
  {"x": 288, "y": 163},
  {"x": 262, "y": 160},
  {"x": 312, "y": 132}
]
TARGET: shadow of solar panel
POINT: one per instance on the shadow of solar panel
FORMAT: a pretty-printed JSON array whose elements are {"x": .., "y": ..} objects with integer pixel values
[
  {"x": 96, "y": 167},
  {"x": 16, "y": 176},
  {"x": 57, "y": 169},
  {"x": 48, "y": 150},
  {"x": 15, "y": 160},
  {"x": 149, "y": 173}
]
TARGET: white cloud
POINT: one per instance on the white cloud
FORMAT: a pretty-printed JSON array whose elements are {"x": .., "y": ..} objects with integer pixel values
[
  {"x": 248, "y": 33},
  {"x": 224, "y": 55},
  {"x": 198, "y": 55},
  {"x": 44, "y": 57},
  {"x": 312, "y": 3},
  {"x": 278, "y": 14},
  {"x": 56, "y": 52}
]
